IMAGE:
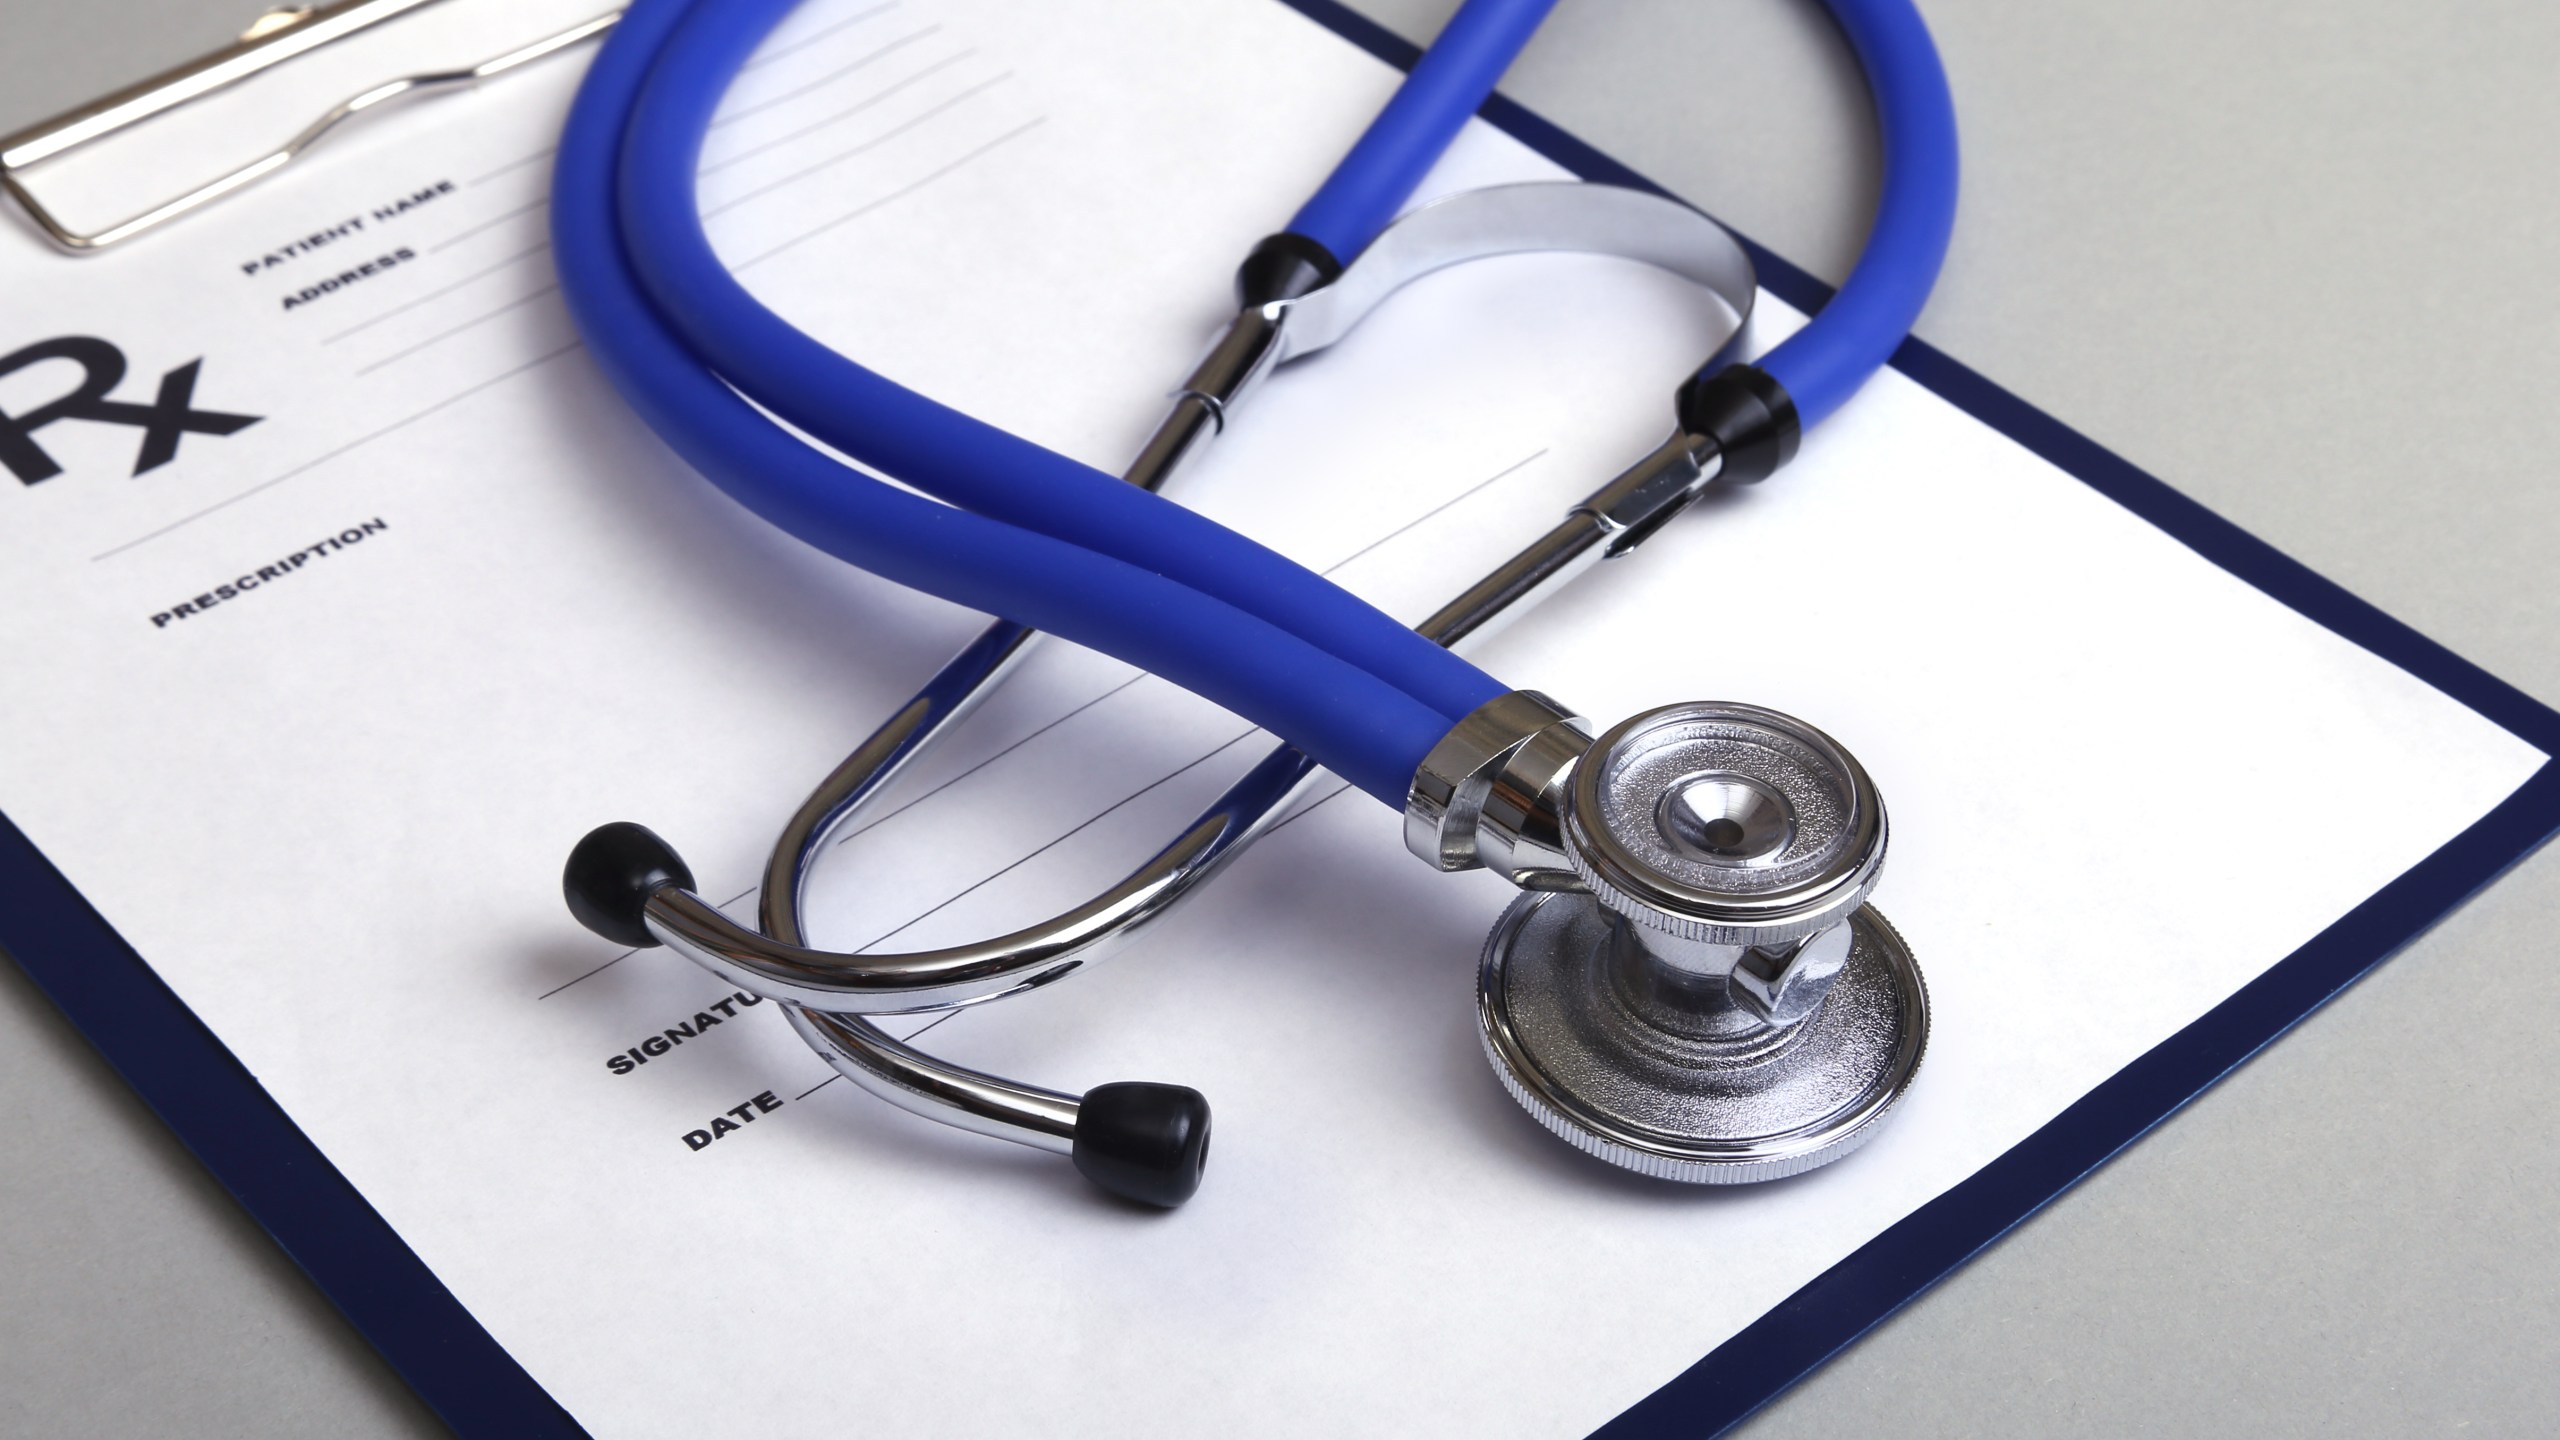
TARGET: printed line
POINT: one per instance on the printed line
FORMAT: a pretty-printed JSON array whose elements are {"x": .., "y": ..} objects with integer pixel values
[
  {"x": 308, "y": 465},
  {"x": 767, "y": 58},
  {"x": 894, "y": 195},
  {"x": 459, "y": 236},
  {"x": 805, "y": 41},
  {"x": 874, "y": 143},
  {"x": 545, "y": 153},
  {"x": 990, "y": 760},
  {"x": 516, "y": 304},
  {"x": 627, "y": 954},
  {"x": 565, "y": 984},
  {"x": 481, "y": 274},
  {"x": 501, "y": 218},
  {"x": 1434, "y": 512},
  {"x": 936, "y": 68},
  {"x": 1335, "y": 793},
  {"x": 910, "y": 1037},
  {"x": 1078, "y": 829},
  {"x": 823, "y": 81}
]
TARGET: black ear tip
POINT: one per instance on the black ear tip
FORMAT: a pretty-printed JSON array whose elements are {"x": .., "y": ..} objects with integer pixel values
[
  {"x": 612, "y": 874},
  {"x": 1143, "y": 1142}
]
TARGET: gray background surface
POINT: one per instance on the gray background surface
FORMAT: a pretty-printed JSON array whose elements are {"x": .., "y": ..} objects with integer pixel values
[{"x": 2293, "y": 257}]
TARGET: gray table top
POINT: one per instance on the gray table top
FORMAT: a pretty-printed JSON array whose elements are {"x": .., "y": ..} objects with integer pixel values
[{"x": 2290, "y": 259}]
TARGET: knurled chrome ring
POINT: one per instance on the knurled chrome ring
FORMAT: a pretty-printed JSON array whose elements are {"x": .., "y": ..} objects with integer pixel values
[
  {"x": 1827, "y": 847},
  {"x": 1683, "y": 1109}
]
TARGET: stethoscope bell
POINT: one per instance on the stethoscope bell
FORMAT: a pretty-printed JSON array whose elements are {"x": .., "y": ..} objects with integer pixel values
[{"x": 1716, "y": 1003}]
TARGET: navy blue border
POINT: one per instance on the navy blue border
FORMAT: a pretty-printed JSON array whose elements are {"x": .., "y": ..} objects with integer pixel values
[
  {"x": 202, "y": 1091},
  {"x": 195, "y": 1084},
  {"x": 1888, "y": 1272}
]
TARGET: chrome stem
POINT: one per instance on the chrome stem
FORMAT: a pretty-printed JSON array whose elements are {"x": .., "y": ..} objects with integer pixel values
[{"x": 1609, "y": 522}]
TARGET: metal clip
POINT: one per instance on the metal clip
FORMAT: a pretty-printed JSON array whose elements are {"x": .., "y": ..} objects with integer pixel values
[{"x": 275, "y": 37}]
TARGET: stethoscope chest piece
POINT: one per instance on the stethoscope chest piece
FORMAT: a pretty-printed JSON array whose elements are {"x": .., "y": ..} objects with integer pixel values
[{"x": 1716, "y": 1003}]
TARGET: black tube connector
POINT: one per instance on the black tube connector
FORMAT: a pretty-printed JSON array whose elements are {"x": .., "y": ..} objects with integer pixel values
[
  {"x": 1749, "y": 416},
  {"x": 1284, "y": 266}
]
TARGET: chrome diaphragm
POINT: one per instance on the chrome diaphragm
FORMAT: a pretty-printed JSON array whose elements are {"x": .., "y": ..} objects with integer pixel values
[{"x": 1707, "y": 997}]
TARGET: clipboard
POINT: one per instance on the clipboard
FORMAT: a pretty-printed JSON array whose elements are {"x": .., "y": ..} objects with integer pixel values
[
  {"x": 275, "y": 38},
  {"x": 182, "y": 1069}
]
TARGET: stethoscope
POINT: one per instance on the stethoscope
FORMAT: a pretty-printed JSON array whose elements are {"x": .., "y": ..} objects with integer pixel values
[{"x": 1690, "y": 984}]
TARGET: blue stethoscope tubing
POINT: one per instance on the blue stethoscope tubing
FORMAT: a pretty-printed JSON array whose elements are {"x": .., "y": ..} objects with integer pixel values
[
  {"x": 1014, "y": 529},
  {"x": 1446, "y": 86}
]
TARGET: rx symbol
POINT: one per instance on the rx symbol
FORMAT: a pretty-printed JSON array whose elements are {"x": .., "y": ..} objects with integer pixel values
[{"x": 162, "y": 422}]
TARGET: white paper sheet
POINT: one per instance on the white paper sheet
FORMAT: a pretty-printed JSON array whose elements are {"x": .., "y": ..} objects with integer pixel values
[{"x": 331, "y": 808}]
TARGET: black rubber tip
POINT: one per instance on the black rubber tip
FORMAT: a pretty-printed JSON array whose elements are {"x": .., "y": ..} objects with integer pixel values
[
  {"x": 612, "y": 874},
  {"x": 1284, "y": 266},
  {"x": 1750, "y": 417},
  {"x": 1143, "y": 1142}
]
